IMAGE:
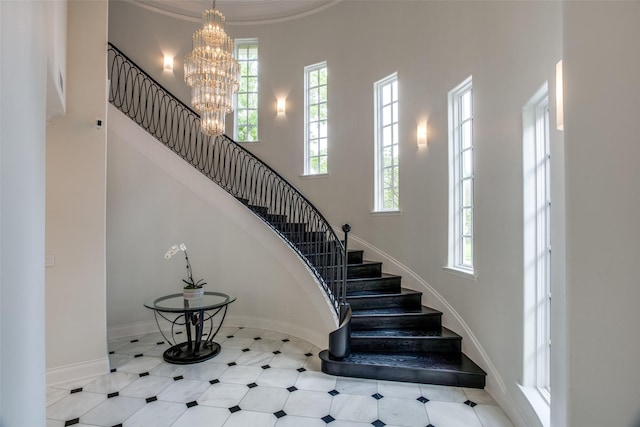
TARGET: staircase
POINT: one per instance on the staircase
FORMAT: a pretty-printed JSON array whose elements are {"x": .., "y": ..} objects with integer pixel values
[{"x": 394, "y": 337}]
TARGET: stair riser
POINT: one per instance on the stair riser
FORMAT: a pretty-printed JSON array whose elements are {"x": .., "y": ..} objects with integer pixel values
[
  {"x": 383, "y": 284},
  {"x": 404, "y": 345},
  {"x": 423, "y": 376},
  {"x": 409, "y": 301},
  {"x": 430, "y": 322},
  {"x": 355, "y": 257},
  {"x": 305, "y": 237},
  {"x": 356, "y": 271}
]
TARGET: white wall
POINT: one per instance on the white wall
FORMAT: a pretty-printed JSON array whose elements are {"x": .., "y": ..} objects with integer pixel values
[
  {"x": 22, "y": 213},
  {"x": 601, "y": 62},
  {"x": 510, "y": 48},
  {"x": 76, "y": 212}
]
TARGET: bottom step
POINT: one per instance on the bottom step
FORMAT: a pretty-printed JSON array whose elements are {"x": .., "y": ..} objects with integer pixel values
[{"x": 452, "y": 369}]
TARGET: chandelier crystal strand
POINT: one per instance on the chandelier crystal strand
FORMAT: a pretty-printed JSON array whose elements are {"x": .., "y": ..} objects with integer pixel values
[{"x": 212, "y": 73}]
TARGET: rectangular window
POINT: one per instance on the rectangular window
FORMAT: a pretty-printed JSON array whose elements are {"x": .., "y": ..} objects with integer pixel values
[
  {"x": 461, "y": 197},
  {"x": 315, "y": 119},
  {"x": 387, "y": 194},
  {"x": 246, "y": 111}
]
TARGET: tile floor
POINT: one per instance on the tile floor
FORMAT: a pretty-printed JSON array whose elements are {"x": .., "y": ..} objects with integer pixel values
[{"x": 260, "y": 378}]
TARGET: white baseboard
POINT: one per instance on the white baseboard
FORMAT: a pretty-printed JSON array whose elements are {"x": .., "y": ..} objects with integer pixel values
[{"x": 77, "y": 371}]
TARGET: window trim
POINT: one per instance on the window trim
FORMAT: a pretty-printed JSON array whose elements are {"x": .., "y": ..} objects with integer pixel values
[
  {"x": 457, "y": 236},
  {"x": 239, "y": 43},
  {"x": 307, "y": 159},
  {"x": 378, "y": 140}
]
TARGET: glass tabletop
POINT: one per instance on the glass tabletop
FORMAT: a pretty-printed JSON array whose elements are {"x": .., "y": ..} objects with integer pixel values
[{"x": 177, "y": 303}]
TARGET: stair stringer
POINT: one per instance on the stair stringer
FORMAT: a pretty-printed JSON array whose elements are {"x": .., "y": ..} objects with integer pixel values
[
  {"x": 237, "y": 212},
  {"x": 471, "y": 346}
]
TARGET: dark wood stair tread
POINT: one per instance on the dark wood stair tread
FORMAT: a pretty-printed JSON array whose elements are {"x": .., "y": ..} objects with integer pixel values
[
  {"x": 383, "y": 276},
  {"x": 394, "y": 312},
  {"x": 444, "y": 333},
  {"x": 385, "y": 293}
]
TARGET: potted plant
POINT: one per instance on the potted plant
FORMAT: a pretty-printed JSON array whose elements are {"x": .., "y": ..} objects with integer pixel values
[{"x": 192, "y": 289}]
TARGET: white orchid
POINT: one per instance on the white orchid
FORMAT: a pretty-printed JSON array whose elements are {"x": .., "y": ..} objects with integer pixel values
[{"x": 191, "y": 284}]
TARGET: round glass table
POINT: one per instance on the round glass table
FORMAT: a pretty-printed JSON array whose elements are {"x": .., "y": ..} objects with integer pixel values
[{"x": 194, "y": 314}]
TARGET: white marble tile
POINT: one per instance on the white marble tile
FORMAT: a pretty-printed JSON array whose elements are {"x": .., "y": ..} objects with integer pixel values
[
  {"x": 291, "y": 361},
  {"x": 248, "y": 333},
  {"x": 442, "y": 393},
  {"x": 452, "y": 414},
  {"x": 364, "y": 387},
  {"x": 110, "y": 383},
  {"x": 315, "y": 381},
  {"x": 57, "y": 423},
  {"x": 293, "y": 421},
  {"x": 74, "y": 405},
  {"x": 313, "y": 363},
  {"x": 348, "y": 407},
  {"x": 479, "y": 396},
  {"x": 156, "y": 414},
  {"x": 165, "y": 369},
  {"x": 241, "y": 374},
  {"x": 238, "y": 343},
  {"x": 223, "y": 395},
  {"x": 492, "y": 416},
  {"x": 340, "y": 423},
  {"x": 55, "y": 394},
  {"x": 274, "y": 335},
  {"x": 116, "y": 360},
  {"x": 399, "y": 389},
  {"x": 266, "y": 345},
  {"x": 157, "y": 350},
  {"x": 250, "y": 418},
  {"x": 114, "y": 345},
  {"x": 140, "y": 365},
  {"x": 296, "y": 347},
  {"x": 226, "y": 355},
  {"x": 254, "y": 358},
  {"x": 402, "y": 412},
  {"x": 278, "y": 377},
  {"x": 112, "y": 411},
  {"x": 184, "y": 391},
  {"x": 204, "y": 371},
  {"x": 148, "y": 386},
  {"x": 308, "y": 404},
  {"x": 154, "y": 337},
  {"x": 135, "y": 348},
  {"x": 264, "y": 399},
  {"x": 74, "y": 384},
  {"x": 203, "y": 416},
  {"x": 225, "y": 331}
]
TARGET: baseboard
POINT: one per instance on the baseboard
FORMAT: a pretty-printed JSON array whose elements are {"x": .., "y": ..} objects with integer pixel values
[{"x": 77, "y": 371}]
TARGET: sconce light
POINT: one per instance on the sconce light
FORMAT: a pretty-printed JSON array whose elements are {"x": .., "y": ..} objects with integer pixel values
[
  {"x": 281, "y": 105},
  {"x": 422, "y": 134},
  {"x": 559, "y": 97},
  {"x": 168, "y": 63}
]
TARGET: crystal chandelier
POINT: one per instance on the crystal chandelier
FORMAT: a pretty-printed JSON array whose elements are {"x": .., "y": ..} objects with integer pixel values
[{"x": 212, "y": 73}]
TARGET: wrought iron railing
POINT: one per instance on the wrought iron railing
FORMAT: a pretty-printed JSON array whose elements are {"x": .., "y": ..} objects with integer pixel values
[{"x": 234, "y": 169}]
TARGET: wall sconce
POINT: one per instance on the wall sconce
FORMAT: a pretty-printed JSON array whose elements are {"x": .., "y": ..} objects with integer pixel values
[
  {"x": 281, "y": 105},
  {"x": 422, "y": 134},
  {"x": 168, "y": 63},
  {"x": 559, "y": 97}
]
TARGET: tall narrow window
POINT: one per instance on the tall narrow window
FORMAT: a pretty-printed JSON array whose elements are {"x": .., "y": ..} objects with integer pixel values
[
  {"x": 316, "y": 119},
  {"x": 387, "y": 194},
  {"x": 246, "y": 111},
  {"x": 461, "y": 177},
  {"x": 537, "y": 240}
]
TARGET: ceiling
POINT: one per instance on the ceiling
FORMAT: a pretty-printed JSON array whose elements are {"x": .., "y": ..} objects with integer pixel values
[{"x": 239, "y": 11}]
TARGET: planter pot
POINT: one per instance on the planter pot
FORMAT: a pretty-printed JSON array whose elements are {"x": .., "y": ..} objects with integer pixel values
[{"x": 193, "y": 293}]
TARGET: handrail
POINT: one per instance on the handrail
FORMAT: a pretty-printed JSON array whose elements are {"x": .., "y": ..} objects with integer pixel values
[{"x": 235, "y": 169}]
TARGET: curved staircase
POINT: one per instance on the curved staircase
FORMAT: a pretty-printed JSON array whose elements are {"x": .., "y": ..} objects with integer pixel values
[{"x": 394, "y": 337}]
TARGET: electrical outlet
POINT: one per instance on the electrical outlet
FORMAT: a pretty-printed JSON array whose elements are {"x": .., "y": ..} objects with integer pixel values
[{"x": 49, "y": 261}]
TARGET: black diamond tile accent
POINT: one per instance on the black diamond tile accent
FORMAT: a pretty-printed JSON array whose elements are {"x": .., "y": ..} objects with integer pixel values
[
  {"x": 252, "y": 385},
  {"x": 240, "y": 327},
  {"x": 113, "y": 370},
  {"x": 234, "y": 409},
  {"x": 245, "y": 350},
  {"x": 292, "y": 389},
  {"x": 144, "y": 374},
  {"x": 151, "y": 399},
  {"x": 214, "y": 381},
  {"x": 229, "y": 336},
  {"x": 266, "y": 367},
  {"x": 134, "y": 340},
  {"x": 112, "y": 352},
  {"x": 300, "y": 369},
  {"x": 470, "y": 403},
  {"x": 378, "y": 423},
  {"x": 280, "y": 414},
  {"x": 422, "y": 399},
  {"x": 192, "y": 404},
  {"x": 72, "y": 422},
  {"x": 334, "y": 392},
  {"x": 257, "y": 338},
  {"x": 276, "y": 352},
  {"x": 160, "y": 343},
  {"x": 308, "y": 354},
  {"x": 117, "y": 425},
  {"x": 138, "y": 355},
  {"x": 76, "y": 390},
  {"x": 178, "y": 333},
  {"x": 328, "y": 419},
  {"x": 232, "y": 364},
  {"x": 178, "y": 378},
  {"x": 285, "y": 340},
  {"x": 114, "y": 394},
  {"x": 431, "y": 425},
  {"x": 377, "y": 396}
]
